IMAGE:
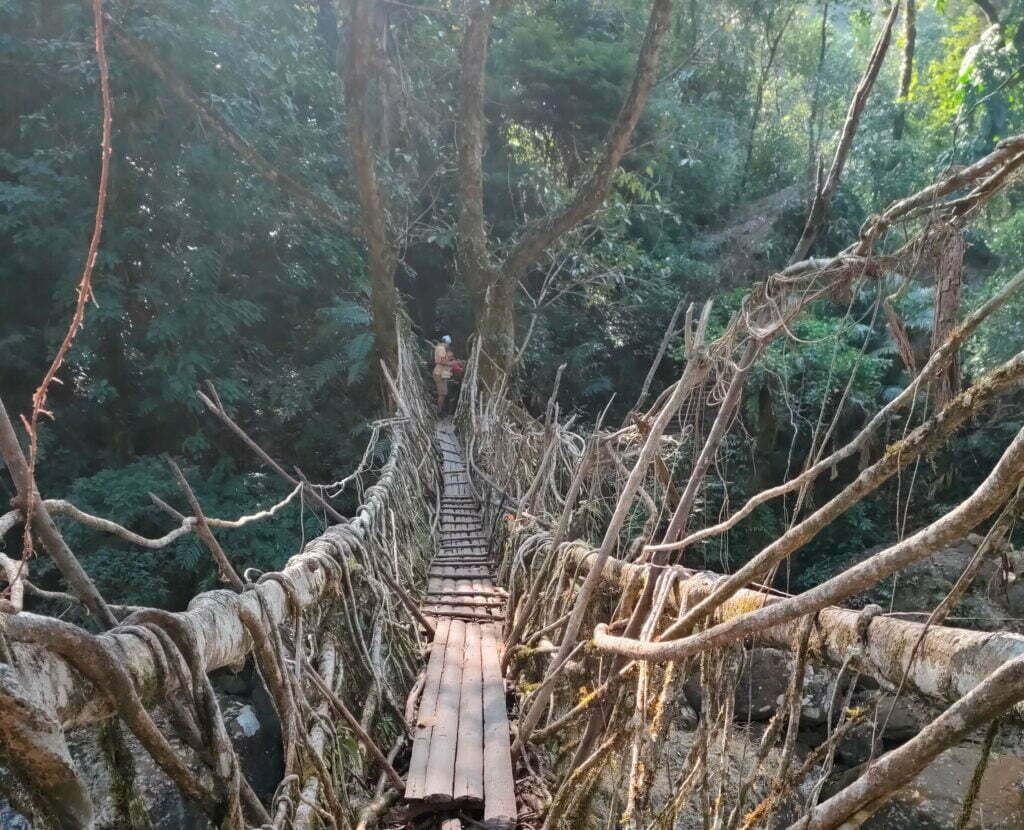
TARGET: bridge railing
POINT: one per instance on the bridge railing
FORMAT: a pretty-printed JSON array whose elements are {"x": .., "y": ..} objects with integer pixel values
[
  {"x": 337, "y": 616},
  {"x": 651, "y": 624}
]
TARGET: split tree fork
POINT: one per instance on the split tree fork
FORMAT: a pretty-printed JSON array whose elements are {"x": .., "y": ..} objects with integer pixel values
[{"x": 493, "y": 282}]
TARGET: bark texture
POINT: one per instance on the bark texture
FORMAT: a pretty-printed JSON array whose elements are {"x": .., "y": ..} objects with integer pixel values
[
  {"x": 493, "y": 286},
  {"x": 950, "y": 662},
  {"x": 360, "y": 59},
  {"x": 213, "y": 618}
]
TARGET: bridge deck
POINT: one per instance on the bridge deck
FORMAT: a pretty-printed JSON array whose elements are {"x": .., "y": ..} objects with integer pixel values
[{"x": 460, "y": 752}]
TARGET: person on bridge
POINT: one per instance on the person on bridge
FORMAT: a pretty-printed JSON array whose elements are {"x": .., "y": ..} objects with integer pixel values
[{"x": 443, "y": 360}]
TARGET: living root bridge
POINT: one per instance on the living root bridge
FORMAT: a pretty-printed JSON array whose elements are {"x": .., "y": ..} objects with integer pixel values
[
  {"x": 215, "y": 618},
  {"x": 949, "y": 662}
]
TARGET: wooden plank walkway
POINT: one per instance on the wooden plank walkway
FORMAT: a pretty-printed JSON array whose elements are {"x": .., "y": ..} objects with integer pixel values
[{"x": 461, "y": 750}]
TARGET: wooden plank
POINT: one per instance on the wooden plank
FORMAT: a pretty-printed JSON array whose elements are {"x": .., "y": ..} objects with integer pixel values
[
  {"x": 462, "y": 565},
  {"x": 469, "y": 755},
  {"x": 462, "y": 558},
  {"x": 415, "y": 783},
  {"x": 462, "y": 562},
  {"x": 451, "y": 824},
  {"x": 488, "y": 590},
  {"x": 443, "y": 739},
  {"x": 457, "y": 613},
  {"x": 499, "y": 783}
]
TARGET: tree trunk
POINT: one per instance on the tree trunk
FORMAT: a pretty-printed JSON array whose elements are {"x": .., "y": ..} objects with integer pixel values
[
  {"x": 492, "y": 302},
  {"x": 380, "y": 249},
  {"x": 493, "y": 288},
  {"x": 948, "y": 278},
  {"x": 907, "y": 71},
  {"x": 826, "y": 190},
  {"x": 948, "y": 662}
]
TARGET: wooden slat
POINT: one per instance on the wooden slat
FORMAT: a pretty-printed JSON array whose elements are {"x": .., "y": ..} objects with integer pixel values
[
  {"x": 444, "y": 738},
  {"x": 463, "y": 564},
  {"x": 499, "y": 783},
  {"x": 489, "y": 590},
  {"x": 415, "y": 783},
  {"x": 462, "y": 718},
  {"x": 467, "y": 615},
  {"x": 469, "y": 756}
]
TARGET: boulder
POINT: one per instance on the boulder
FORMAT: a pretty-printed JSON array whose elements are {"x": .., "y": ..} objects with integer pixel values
[
  {"x": 904, "y": 720},
  {"x": 923, "y": 585},
  {"x": 819, "y": 684},
  {"x": 1015, "y": 598},
  {"x": 253, "y": 729},
  {"x": 258, "y": 746},
  {"x": 859, "y": 745},
  {"x": 934, "y": 799},
  {"x": 762, "y": 684},
  {"x": 686, "y": 717}
]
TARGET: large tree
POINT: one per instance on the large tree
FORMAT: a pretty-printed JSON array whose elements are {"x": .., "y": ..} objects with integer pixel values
[{"x": 492, "y": 279}]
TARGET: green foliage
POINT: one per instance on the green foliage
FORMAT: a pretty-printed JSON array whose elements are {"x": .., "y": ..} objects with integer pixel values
[
  {"x": 170, "y": 576},
  {"x": 207, "y": 271}
]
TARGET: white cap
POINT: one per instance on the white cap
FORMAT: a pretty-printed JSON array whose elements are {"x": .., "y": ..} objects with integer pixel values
[{"x": 446, "y": 339}]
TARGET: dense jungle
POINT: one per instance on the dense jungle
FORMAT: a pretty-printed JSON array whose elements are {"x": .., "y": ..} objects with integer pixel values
[
  {"x": 301, "y": 198},
  {"x": 209, "y": 271}
]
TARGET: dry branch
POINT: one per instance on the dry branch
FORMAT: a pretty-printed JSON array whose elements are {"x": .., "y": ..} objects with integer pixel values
[
  {"x": 213, "y": 617},
  {"x": 982, "y": 503},
  {"x": 997, "y": 693},
  {"x": 949, "y": 662},
  {"x": 224, "y": 566},
  {"x": 218, "y": 410},
  {"x": 42, "y": 523}
]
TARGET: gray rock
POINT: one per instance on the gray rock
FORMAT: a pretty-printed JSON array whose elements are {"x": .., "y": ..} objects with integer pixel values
[
  {"x": 819, "y": 684},
  {"x": 902, "y": 723},
  {"x": 1015, "y": 598},
  {"x": 762, "y": 684},
  {"x": 933, "y": 800},
  {"x": 859, "y": 745},
  {"x": 257, "y": 744},
  {"x": 254, "y": 732},
  {"x": 686, "y": 717},
  {"x": 10, "y": 820},
  {"x": 923, "y": 585}
]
